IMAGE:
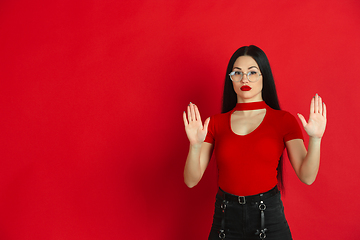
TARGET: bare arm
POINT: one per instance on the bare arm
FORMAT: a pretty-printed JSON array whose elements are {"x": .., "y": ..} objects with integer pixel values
[
  {"x": 199, "y": 151},
  {"x": 306, "y": 163},
  {"x": 196, "y": 163}
]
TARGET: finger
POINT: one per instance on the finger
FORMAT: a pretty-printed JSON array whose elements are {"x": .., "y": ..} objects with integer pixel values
[
  {"x": 185, "y": 120},
  {"x": 302, "y": 119},
  {"x": 206, "y": 123},
  {"x": 324, "y": 110},
  {"x": 193, "y": 118},
  {"x": 316, "y": 103},
  {"x": 320, "y": 105},
  {"x": 312, "y": 105},
  {"x": 189, "y": 113},
  {"x": 197, "y": 113}
]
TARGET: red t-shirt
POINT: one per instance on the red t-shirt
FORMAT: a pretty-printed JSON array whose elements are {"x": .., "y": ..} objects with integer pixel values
[{"x": 247, "y": 163}]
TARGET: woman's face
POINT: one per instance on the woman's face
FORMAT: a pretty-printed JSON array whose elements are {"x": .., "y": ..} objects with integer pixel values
[{"x": 247, "y": 91}]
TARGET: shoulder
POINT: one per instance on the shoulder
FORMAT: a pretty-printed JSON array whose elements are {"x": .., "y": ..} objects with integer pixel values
[
  {"x": 282, "y": 119},
  {"x": 287, "y": 124},
  {"x": 220, "y": 116},
  {"x": 219, "y": 119},
  {"x": 281, "y": 114}
]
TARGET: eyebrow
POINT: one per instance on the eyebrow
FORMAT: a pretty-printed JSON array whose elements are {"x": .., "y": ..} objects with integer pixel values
[{"x": 248, "y": 68}]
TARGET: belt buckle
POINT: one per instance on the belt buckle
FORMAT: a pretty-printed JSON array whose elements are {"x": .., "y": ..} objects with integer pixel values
[{"x": 241, "y": 199}]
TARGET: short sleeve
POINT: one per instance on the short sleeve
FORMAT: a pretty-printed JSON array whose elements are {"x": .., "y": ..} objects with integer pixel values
[
  {"x": 210, "y": 137},
  {"x": 292, "y": 128}
]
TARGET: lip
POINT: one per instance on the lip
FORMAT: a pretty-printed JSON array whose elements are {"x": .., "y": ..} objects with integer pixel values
[{"x": 245, "y": 88}]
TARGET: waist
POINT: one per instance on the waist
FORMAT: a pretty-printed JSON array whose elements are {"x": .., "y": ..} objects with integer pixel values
[{"x": 247, "y": 199}]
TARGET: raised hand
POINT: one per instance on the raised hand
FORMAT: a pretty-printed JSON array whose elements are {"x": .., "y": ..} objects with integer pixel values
[
  {"x": 315, "y": 127},
  {"x": 195, "y": 130}
]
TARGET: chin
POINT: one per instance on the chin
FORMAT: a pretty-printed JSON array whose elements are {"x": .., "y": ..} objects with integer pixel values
[{"x": 249, "y": 96}]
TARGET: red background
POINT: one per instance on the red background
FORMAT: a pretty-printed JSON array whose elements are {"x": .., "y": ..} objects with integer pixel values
[{"x": 91, "y": 101}]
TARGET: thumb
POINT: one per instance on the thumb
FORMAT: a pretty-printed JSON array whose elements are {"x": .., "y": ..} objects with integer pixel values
[
  {"x": 302, "y": 119},
  {"x": 206, "y": 123}
]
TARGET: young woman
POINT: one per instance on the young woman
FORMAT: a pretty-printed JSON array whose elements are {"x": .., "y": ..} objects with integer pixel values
[{"x": 248, "y": 139}]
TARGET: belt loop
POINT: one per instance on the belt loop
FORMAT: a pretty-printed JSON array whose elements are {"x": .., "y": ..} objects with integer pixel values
[{"x": 241, "y": 200}]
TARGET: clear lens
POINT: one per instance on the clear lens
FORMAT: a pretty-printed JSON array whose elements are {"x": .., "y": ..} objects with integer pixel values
[
  {"x": 253, "y": 76},
  {"x": 237, "y": 76}
]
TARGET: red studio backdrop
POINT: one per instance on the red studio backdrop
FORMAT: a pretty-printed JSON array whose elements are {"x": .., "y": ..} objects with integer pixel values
[{"x": 92, "y": 93}]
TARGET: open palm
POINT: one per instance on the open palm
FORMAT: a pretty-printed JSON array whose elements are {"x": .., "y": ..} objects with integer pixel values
[
  {"x": 195, "y": 130},
  {"x": 316, "y": 125}
]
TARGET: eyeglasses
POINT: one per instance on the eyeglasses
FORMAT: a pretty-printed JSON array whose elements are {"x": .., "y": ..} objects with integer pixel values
[{"x": 237, "y": 76}]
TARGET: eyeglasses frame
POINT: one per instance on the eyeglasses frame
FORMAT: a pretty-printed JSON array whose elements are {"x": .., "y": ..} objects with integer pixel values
[{"x": 243, "y": 73}]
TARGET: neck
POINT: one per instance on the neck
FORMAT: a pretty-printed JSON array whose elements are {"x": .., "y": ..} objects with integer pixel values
[{"x": 250, "y": 106}]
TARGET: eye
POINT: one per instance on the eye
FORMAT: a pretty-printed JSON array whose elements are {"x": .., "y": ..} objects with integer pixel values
[
  {"x": 253, "y": 73},
  {"x": 237, "y": 73}
]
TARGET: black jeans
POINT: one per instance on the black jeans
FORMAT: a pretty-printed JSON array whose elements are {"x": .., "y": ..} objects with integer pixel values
[{"x": 235, "y": 220}]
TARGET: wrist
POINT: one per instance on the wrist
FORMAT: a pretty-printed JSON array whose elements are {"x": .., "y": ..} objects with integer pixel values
[
  {"x": 195, "y": 146},
  {"x": 315, "y": 139}
]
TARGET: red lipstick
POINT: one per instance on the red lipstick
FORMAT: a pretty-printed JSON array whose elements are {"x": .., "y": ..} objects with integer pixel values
[{"x": 245, "y": 88}]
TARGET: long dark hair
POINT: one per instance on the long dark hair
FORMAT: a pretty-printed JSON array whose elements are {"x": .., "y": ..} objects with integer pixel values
[{"x": 269, "y": 94}]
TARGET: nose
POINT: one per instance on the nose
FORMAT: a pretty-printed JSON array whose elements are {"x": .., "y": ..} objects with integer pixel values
[{"x": 244, "y": 78}]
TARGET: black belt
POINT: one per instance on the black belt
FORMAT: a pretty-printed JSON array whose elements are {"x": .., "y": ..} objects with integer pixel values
[{"x": 247, "y": 199}]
